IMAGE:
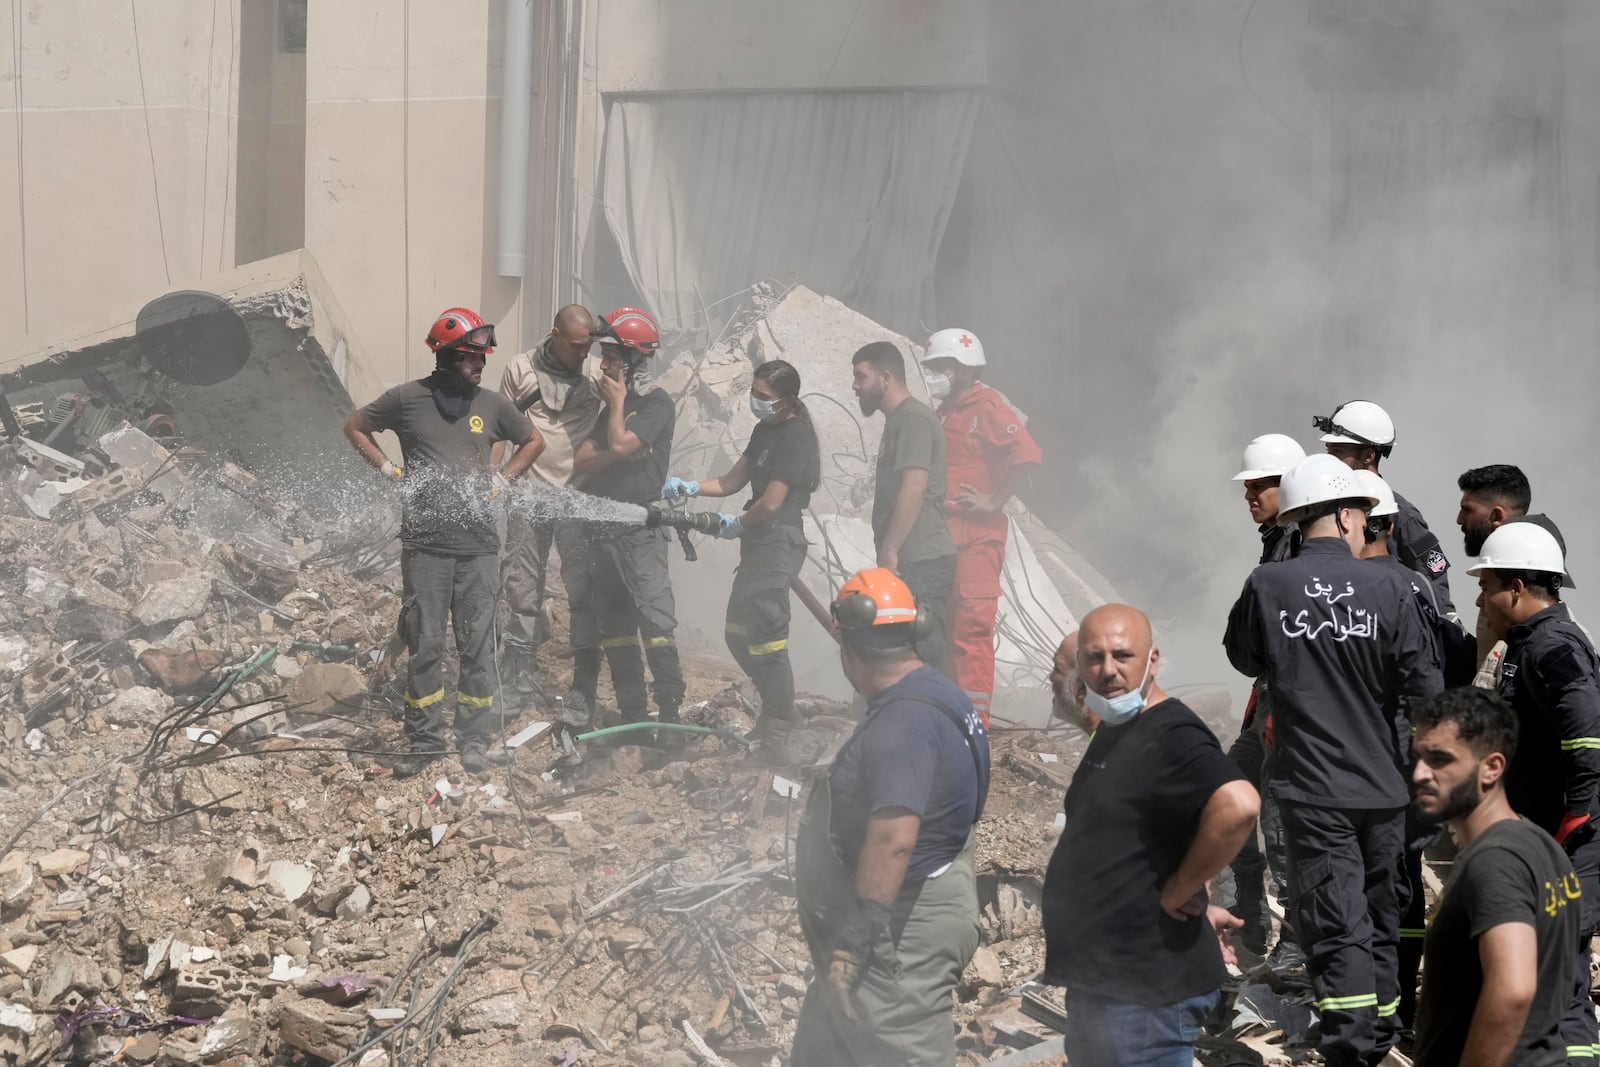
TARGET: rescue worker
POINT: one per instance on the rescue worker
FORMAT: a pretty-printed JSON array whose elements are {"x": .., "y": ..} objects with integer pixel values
[
  {"x": 1155, "y": 810},
  {"x": 449, "y": 556},
  {"x": 884, "y": 874},
  {"x": 988, "y": 454},
  {"x": 1341, "y": 644},
  {"x": 557, "y": 386},
  {"x": 1490, "y": 496},
  {"x": 1551, "y": 679},
  {"x": 908, "y": 521},
  {"x": 1266, "y": 459},
  {"x": 626, "y": 458},
  {"x": 1419, "y": 833},
  {"x": 1361, "y": 435},
  {"x": 782, "y": 465}
]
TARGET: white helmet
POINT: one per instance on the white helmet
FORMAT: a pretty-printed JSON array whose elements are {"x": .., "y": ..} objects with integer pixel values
[
  {"x": 1378, "y": 489},
  {"x": 962, "y": 346},
  {"x": 1317, "y": 480},
  {"x": 1520, "y": 546},
  {"x": 1269, "y": 456},
  {"x": 1360, "y": 422}
]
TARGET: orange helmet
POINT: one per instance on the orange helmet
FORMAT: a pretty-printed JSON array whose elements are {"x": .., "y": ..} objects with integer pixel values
[
  {"x": 461, "y": 329},
  {"x": 875, "y": 597},
  {"x": 633, "y": 329}
]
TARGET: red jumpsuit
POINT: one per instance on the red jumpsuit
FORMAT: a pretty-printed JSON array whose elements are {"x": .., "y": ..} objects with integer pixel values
[{"x": 984, "y": 439}]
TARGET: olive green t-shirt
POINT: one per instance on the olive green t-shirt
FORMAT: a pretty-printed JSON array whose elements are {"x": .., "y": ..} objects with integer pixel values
[{"x": 913, "y": 439}]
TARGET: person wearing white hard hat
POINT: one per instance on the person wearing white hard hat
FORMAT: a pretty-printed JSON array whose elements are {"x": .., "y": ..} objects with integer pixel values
[
  {"x": 1419, "y": 834},
  {"x": 1551, "y": 678},
  {"x": 1361, "y": 435},
  {"x": 1266, "y": 459},
  {"x": 988, "y": 452},
  {"x": 1341, "y": 645}
]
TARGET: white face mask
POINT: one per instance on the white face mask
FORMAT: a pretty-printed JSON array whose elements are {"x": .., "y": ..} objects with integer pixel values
[
  {"x": 1124, "y": 707},
  {"x": 938, "y": 385}
]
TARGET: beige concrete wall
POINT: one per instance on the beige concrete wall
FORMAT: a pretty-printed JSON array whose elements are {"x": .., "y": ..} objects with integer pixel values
[{"x": 119, "y": 188}]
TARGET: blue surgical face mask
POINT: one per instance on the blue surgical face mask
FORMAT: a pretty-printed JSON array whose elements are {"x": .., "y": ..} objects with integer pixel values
[
  {"x": 762, "y": 409},
  {"x": 1122, "y": 708}
]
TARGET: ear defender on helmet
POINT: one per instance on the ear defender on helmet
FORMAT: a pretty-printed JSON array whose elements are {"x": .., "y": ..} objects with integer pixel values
[{"x": 878, "y": 597}]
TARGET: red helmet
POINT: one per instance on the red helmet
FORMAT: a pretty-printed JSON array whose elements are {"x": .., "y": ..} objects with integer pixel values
[
  {"x": 633, "y": 329},
  {"x": 461, "y": 328}
]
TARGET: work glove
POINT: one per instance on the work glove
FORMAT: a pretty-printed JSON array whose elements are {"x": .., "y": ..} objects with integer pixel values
[
  {"x": 731, "y": 529},
  {"x": 497, "y": 484},
  {"x": 852, "y": 954},
  {"x": 394, "y": 470},
  {"x": 1573, "y": 831},
  {"x": 676, "y": 490}
]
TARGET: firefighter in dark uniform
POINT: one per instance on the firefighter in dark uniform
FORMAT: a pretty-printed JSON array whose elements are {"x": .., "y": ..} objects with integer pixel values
[
  {"x": 1551, "y": 678},
  {"x": 1361, "y": 435},
  {"x": 625, "y": 458},
  {"x": 1340, "y": 643},
  {"x": 1266, "y": 459},
  {"x": 782, "y": 466},
  {"x": 1419, "y": 834}
]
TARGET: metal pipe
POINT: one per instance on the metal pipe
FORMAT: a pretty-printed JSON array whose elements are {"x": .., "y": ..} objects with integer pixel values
[{"x": 516, "y": 96}]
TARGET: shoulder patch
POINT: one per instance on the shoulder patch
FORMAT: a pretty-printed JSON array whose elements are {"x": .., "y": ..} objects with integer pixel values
[{"x": 1435, "y": 561}]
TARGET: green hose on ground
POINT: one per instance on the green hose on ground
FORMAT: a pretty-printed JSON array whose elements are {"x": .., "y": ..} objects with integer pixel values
[{"x": 726, "y": 735}]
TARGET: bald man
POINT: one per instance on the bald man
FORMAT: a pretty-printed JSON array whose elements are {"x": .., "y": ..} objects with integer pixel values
[
  {"x": 1155, "y": 810},
  {"x": 1066, "y": 688},
  {"x": 556, "y": 386}
]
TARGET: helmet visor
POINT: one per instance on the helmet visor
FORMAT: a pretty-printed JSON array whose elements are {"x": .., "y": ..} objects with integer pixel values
[{"x": 481, "y": 339}]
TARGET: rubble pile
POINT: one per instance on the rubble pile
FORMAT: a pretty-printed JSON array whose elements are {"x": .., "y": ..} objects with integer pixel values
[{"x": 204, "y": 859}]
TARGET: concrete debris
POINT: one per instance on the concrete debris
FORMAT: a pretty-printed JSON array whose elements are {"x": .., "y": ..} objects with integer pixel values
[
  {"x": 62, "y": 861},
  {"x": 506, "y": 1011},
  {"x": 320, "y": 1029},
  {"x": 17, "y": 1018},
  {"x": 182, "y": 671},
  {"x": 291, "y": 881},
  {"x": 174, "y": 600},
  {"x": 356, "y": 905},
  {"x": 18, "y": 960},
  {"x": 324, "y": 688}
]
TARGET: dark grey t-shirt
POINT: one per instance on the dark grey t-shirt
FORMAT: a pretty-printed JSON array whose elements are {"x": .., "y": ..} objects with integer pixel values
[
  {"x": 913, "y": 439},
  {"x": 1513, "y": 873},
  {"x": 446, "y": 485}
]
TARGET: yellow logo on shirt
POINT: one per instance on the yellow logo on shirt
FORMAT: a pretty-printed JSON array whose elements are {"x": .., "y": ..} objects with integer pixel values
[{"x": 476, "y": 423}]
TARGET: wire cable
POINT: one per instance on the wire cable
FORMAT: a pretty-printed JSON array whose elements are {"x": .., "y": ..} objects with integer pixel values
[
  {"x": 22, "y": 195},
  {"x": 405, "y": 176},
  {"x": 205, "y": 154},
  {"x": 149, "y": 140},
  {"x": 227, "y": 157}
]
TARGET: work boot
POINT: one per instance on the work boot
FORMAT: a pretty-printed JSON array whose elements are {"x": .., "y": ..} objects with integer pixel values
[
  {"x": 1256, "y": 933},
  {"x": 1286, "y": 960},
  {"x": 411, "y": 763},
  {"x": 576, "y": 711},
  {"x": 670, "y": 740},
  {"x": 474, "y": 755},
  {"x": 773, "y": 749}
]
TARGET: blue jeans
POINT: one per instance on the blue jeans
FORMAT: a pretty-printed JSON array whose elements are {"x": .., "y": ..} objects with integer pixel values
[{"x": 1119, "y": 1033}]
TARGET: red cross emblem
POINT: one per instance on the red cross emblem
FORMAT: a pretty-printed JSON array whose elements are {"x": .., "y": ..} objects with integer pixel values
[{"x": 966, "y": 342}]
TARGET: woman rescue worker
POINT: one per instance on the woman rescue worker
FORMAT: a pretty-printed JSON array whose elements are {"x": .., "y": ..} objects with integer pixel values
[{"x": 783, "y": 467}]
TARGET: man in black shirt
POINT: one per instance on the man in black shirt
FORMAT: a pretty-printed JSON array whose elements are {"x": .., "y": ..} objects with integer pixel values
[
  {"x": 1499, "y": 964},
  {"x": 1154, "y": 811},
  {"x": 449, "y": 557},
  {"x": 1342, "y": 645},
  {"x": 626, "y": 459},
  {"x": 1551, "y": 679}
]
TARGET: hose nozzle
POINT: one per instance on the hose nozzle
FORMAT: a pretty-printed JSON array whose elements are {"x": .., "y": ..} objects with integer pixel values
[{"x": 701, "y": 522}]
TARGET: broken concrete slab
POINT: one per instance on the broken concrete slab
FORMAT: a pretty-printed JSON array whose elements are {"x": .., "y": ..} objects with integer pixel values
[
  {"x": 289, "y": 880},
  {"x": 18, "y": 960},
  {"x": 136, "y": 451},
  {"x": 174, "y": 600},
  {"x": 355, "y": 905},
  {"x": 70, "y": 973},
  {"x": 504, "y": 1011},
  {"x": 63, "y": 861},
  {"x": 138, "y": 704},
  {"x": 322, "y": 688},
  {"x": 320, "y": 1029},
  {"x": 18, "y": 1018}
]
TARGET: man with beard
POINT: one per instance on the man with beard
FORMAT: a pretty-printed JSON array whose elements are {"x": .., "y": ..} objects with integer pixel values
[
  {"x": 1490, "y": 496},
  {"x": 1499, "y": 962},
  {"x": 908, "y": 522},
  {"x": 449, "y": 556},
  {"x": 1551, "y": 679}
]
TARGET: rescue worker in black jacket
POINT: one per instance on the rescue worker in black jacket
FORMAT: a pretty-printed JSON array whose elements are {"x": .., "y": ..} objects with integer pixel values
[
  {"x": 1551, "y": 678},
  {"x": 1266, "y": 459},
  {"x": 1361, "y": 435},
  {"x": 1341, "y": 644}
]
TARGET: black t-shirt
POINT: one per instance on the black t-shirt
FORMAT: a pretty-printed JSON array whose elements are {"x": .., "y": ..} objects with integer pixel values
[
  {"x": 652, "y": 418},
  {"x": 784, "y": 452},
  {"x": 1513, "y": 873},
  {"x": 908, "y": 754},
  {"x": 446, "y": 485},
  {"x": 1132, "y": 811}
]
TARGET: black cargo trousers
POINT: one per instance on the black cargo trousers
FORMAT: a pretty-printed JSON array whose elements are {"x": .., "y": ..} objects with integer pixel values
[
  {"x": 459, "y": 590},
  {"x": 1346, "y": 902},
  {"x": 757, "y": 623},
  {"x": 1251, "y": 866},
  {"x": 626, "y": 578}
]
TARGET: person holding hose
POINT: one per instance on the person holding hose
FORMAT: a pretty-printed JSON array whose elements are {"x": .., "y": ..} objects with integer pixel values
[{"x": 782, "y": 465}]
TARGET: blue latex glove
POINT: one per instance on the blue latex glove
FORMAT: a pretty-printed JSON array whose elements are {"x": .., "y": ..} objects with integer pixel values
[
  {"x": 732, "y": 528},
  {"x": 676, "y": 490}
]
